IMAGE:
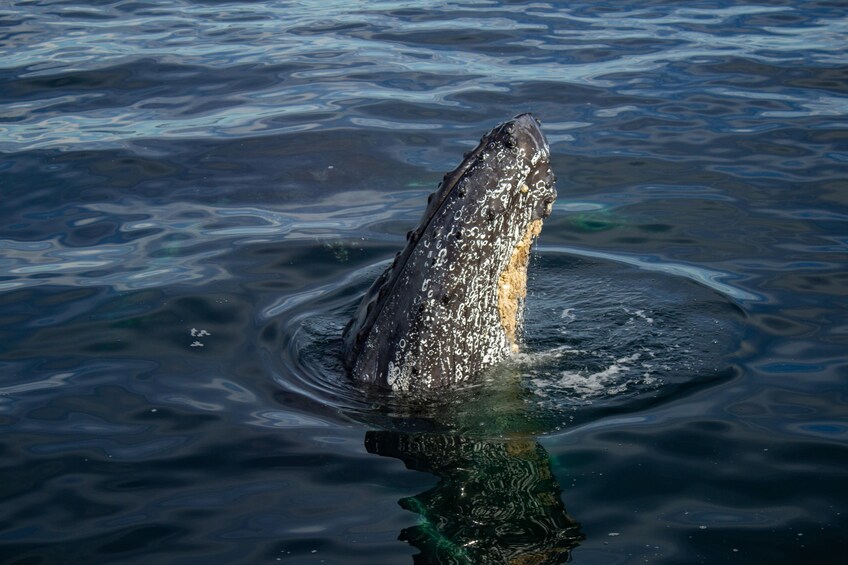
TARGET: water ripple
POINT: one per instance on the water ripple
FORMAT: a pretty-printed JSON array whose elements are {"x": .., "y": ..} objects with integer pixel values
[
  {"x": 197, "y": 192},
  {"x": 175, "y": 242},
  {"x": 85, "y": 54},
  {"x": 707, "y": 277}
]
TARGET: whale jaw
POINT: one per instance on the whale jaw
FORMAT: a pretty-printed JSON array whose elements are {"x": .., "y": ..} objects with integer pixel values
[{"x": 451, "y": 304}]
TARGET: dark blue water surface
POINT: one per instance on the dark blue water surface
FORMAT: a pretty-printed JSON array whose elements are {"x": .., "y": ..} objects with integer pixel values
[{"x": 197, "y": 193}]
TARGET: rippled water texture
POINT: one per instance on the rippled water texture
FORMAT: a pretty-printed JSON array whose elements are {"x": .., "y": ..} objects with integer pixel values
[{"x": 196, "y": 194}]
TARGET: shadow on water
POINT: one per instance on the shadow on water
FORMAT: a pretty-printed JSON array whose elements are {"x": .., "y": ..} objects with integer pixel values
[{"x": 497, "y": 501}]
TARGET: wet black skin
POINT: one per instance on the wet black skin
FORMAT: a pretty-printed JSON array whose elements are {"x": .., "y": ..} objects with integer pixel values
[{"x": 432, "y": 318}]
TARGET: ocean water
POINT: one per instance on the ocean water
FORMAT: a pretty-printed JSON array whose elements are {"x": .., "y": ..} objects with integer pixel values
[{"x": 197, "y": 193}]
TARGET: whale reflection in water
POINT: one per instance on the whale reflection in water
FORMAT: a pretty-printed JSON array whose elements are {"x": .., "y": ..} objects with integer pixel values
[{"x": 497, "y": 501}]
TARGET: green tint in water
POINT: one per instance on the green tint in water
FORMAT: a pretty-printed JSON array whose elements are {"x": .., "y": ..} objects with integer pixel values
[
  {"x": 600, "y": 220},
  {"x": 497, "y": 501}
]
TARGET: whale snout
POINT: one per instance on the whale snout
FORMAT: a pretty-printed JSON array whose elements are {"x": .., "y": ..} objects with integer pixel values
[
  {"x": 527, "y": 137},
  {"x": 527, "y": 130}
]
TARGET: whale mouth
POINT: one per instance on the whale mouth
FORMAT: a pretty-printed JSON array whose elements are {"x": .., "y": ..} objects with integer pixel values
[{"x": 512, "y": 286}]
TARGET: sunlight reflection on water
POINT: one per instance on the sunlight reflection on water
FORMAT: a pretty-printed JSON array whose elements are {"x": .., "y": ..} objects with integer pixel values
[{"x": 269, "y": 34}]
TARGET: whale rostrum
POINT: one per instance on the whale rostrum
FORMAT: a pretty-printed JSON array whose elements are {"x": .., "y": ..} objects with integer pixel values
[{"x": 451, "y": 304}]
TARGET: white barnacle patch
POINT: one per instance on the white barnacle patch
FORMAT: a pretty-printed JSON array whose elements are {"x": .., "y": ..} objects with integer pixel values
[
  {"x": 392, "y": 374},
  {"x": 536, "y": 156}
]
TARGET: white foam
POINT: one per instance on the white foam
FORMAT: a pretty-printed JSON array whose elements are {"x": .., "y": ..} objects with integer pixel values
[{"x": 610, "y": 381}]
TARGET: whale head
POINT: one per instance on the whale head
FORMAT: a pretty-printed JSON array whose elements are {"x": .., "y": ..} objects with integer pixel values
[{"x": 451, "y": 304}]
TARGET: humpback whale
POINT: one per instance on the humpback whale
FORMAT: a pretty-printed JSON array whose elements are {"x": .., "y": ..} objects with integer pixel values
[{"x": 451, "y": 304}]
